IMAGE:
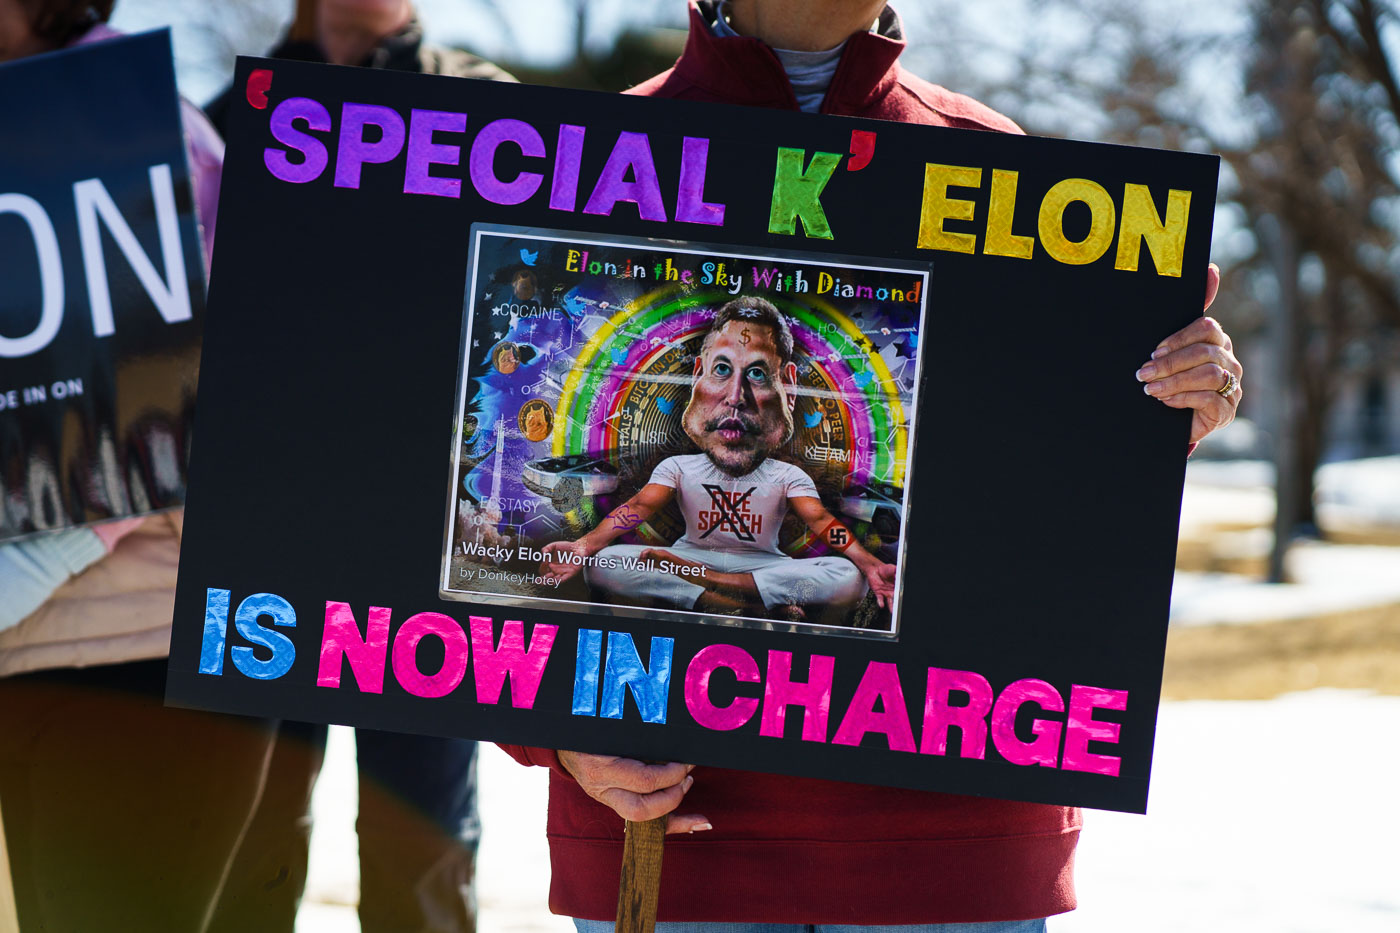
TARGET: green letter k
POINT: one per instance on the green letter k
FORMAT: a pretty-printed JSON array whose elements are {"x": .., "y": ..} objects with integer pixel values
[{"x": 797, "y": 193}]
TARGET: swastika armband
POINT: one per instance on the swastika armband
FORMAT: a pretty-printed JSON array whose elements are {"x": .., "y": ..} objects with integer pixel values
[{"x": 837, "y": 535}]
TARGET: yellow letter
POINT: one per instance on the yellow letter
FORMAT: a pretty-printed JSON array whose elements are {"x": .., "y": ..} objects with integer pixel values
[
  {"x": 1165, "y": 241},
  {"x": 938, "y": 207},
  {"x": 1103, "y": 218},
  {"x": 1000, "y": 212},
  {"x": 571, "y": 262},
  {"x": 824, "y": 283}
]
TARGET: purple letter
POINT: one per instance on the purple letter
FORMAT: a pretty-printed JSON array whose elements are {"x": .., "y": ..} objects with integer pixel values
[
  {"x": 697, "y": 687},
  {"x": 423, "y": 153},
  {"x": 483, "y": 161},
  {"x": 814, "y": 697},
  {"x": 354, "y": 151},
  {"x": 881, "y": 681},
  {"x": 1045, "y": 749},
  {"x": 633, "y": 151},
  {"x": 939, "y": 715},
  {"x": 690, "y": 200},
  {"x": 1083, "y": 727},
  {"x": 563, "y": 191},
  {"x": 341, "y": 638},
  {"x": 313, "y": 152},
  {"x": 512, "y": 661},
  {"x": 454, "y": 655}
]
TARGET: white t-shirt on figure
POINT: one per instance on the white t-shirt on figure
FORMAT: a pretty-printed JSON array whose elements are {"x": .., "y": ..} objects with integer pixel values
[{"x": 729, "y": 513}]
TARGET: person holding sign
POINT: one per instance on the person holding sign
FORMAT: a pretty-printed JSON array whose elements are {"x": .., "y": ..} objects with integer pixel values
[
  {"x": 733, "y": 495},
  {"x": 769, "y": 849},
  {"x": 118, "y": 812}
]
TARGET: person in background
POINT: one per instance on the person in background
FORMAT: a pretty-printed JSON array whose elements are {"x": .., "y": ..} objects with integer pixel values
[
  {"x": 767, "y": 850},
  {"x": 372, "y": 34},
  {"x": 417, "y": 825},
  {"x": 119, "y": 814}
]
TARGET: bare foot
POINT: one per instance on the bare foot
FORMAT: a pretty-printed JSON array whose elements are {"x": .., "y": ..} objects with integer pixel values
[
  {"x": 711, "y": 579},
  {"x": 721, "y": 605}
]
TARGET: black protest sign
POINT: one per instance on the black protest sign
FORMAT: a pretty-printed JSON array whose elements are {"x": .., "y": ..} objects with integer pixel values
[
  {"x": 102, "y": 290},
  {"x": 757, "y": 439}
]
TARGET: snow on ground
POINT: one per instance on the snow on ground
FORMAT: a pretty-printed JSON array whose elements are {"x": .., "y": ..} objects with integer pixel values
[
  {"x": 1367, "y": 490},
  {"x": 1254, "y": 824},
  {"x": 1328, "y": 577},
  {"x": 1350, "y": 491}
]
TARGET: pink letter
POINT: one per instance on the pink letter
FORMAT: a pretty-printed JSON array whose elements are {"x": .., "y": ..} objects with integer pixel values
[
  {"x": 424, "y": 153},
  {"x": 354, "y": 151},
  {"x": 454, "y": 656},
  {"x": 880, "y": 682},
  {"x": 697, "y": 687},
  {"x": 1083, "y": 727},
  {"x": 1045, "y": 749},
  {"x": 483, "y": 161},
  {"x": 512, "y": 661},
  {"x": 780, "y": 692},
  {"x": 313, "y": 152},
  {"x": 690, "y": 200},
  {"x": 341, "y": 637},
  {"x": 568, "y": 156},
  {"x": 633, "y": 151},
  {"x": 939, "y": 715}
]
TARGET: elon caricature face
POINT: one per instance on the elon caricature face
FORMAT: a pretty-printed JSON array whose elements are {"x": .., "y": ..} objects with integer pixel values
[{"x": 741, "y": 401}]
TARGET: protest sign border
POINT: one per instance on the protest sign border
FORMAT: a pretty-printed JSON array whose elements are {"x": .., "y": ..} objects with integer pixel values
[{"x": 316, "y": 488}]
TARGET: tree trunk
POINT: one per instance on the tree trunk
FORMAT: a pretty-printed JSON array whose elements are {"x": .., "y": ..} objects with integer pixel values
[
  {"x": 1318, "y": 373},
  {"x": 1282, "y": 245},
  {"x": 1308, "y": 439}
]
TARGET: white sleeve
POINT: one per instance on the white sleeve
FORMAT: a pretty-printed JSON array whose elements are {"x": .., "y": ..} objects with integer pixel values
[
  {"x": 800, "y": 484},
  {"x": 667, "y": 473},
  {"x": 31, "y": 570}
]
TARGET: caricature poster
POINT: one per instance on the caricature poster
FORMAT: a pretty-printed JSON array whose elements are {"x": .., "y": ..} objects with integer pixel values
[
  {"x": 734, "y": 382},
  {"x": 754, "y": 439}
]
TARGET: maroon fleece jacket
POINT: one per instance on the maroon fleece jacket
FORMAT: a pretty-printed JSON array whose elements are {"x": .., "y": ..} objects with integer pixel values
[{"x": 800, "y": 850}]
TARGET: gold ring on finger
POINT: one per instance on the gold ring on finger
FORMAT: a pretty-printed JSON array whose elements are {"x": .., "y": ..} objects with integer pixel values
[{"x": 1232, "y": 384}]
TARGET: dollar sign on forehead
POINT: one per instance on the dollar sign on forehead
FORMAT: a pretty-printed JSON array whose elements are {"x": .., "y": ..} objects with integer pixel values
[{"x": 744, "y": 336}]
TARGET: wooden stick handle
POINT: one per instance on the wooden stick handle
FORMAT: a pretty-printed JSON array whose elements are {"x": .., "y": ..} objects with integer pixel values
[{"x": 640, "y": 884}]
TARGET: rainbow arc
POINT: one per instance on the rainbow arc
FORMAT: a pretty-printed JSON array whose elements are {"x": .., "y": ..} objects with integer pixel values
[{"x": 865, "y": 390}]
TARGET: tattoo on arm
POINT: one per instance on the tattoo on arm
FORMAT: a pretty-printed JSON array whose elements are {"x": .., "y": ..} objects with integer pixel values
[{"x": 625, "y": 518}]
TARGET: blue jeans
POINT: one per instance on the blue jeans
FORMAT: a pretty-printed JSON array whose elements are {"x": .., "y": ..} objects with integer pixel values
[{"x": 1006, "y": 926}]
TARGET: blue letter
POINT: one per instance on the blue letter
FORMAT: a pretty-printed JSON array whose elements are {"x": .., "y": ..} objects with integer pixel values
[
  {"x": 624, "y": 669},
  {"x": 246, "y": 621},
  {"x": 211, "y": 653},
  {"x": 590, "y": 649}
]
